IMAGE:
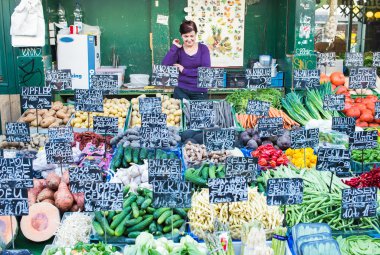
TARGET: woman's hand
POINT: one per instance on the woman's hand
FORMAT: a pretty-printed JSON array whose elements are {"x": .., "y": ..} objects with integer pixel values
[
  {"x": 180, "y": 67},
  {"x": 177, "y": 43}
]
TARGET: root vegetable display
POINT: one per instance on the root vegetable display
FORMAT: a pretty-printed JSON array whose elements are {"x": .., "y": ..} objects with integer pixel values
[
  {"x": 196, "y": 154},
  {"x": 37, "y": 141},
  {"x": 63, "y": 198},
  {"x": 90, "y": 137},
  {"x": 53, "y": 181}
]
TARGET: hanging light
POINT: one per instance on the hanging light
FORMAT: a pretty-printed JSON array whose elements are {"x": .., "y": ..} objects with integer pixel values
[
  {"x": 369, "y": 14},
  {"x": 377, "y": 15}
]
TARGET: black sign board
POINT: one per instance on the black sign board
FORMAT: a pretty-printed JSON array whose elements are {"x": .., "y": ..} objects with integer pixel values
[
  {"x": 210, "y": 77},
  {"x": 333, "y": 160},
  {"x": 333, "y": 102},
  {"x": 79, "y": 176},
  {"x": 61, "y": 135},
  {"x": 16, "y": 173},
  {"x": 377, "y": 110},
  {"x": 59, "y": 153},
  {"x": 304, "y": 138},
  {"x": 240, "y": 166},
  {"x": 228, "y": 190},
  {"x": 58, "y": 79},
  {"x": 306, "y": 79},
  {"x": 326, "y": 59},
  {"x": 36, "y": 97},
  {"x": 109, "y": 84},
  {"x": 13, "y": 202},
  {"x": 284, "y": 191},
  {"x": 359, "y": 202},
  {"x": 362, "y": 140},
  {"x": 16, "y": 252},
  {"x": 376, "y": 59},
  {"x": 154, "y": 137},
  {"x": 150, "y": 105},
  {"x": 171, "y": 194},
  {"x": 103, "y": 196},
  {"x": 165, "y": 75},
  {"x": 106, "y": 125},
  {"x": 1, "y": 153},
  {"x": 219, "y": 139},
  {"x": 17, "y": 132},
  {"x": 258, "y": 108},
  {"x": 344, "y": 125},
  {"x": 270, "y": 127},
  {"x": 164, "y": 169},
  {"x": 362, "y": 78},
  {"x": 258, "y": 78},
  {"x": 153, "y": 119},
  {"x": 88, "y": 100},
  {"x": 354, "y": 59},
  {"x": 201, "y": 114}
]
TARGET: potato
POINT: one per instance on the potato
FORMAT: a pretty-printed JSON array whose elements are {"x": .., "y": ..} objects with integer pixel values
[
  {"x": 29, "y": 118},
  {"x": 47, "y": 122},
  {"x": 57, "y": 106},
  {"x": 42, "y": 112},
  {"x": 61, "y": 114},
  {"x": 65, "y": 120}
]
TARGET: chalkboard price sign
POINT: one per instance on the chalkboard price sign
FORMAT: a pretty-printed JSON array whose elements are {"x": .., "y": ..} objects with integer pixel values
[
  {"x": 270, "y": 127},
  {"x": 304, "y": 138},
  {"x": 59, "y": 153},
  {"x": 240, "y": 166},
  {"x": 333, "y": 160},
  {"x": 14, "y": 202},
  {"x": 258, "y": 78},
  {"x": 258, "y": 108},
  {"x": 362, "y": 140},
  {"x": 154, "y": 137},
  {"x": 58, "y": 79},
  {"x": 333, "y": 102},
  {"x": 359, "y": 202},
  {"x": 354, "y": 59},
  {"x": 165, "y": 75},
  {"x": 79, "y": 176},
  {"x": 306, "y": 79},
  {"x": 88, "y": 100},
  {"x": 326, "y": 59},
  {"x": 228, "y": 190},
  {"x": 376, "y": 59},
  {"x": 106, "y": 125},
  {"x": 100, "y": 196},
  {"x": 61, "y": 135},
  {"x": 210, "y": 77},
  {"x": 17, "y": 132},
  {"x": 150, "y": 105},
  {"x": 16, "y": 173},
  {"x": 362, "y": 78},
  {"x": 377, "y": 110},
  {"x": 284, "y": 191},
  {"x": 202, "y": 114},
  {"x": 36, "y": 97},
  {"x": 171, "y": 194},
  {"x": 109, "y": 84},
  {"x": 164, "y": 169},
  {"x": 344, "y": 125},
  {"x": 153, "y": 120},
  {"x": 219, "y": 139}
]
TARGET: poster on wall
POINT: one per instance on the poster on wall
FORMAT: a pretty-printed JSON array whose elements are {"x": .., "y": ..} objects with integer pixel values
[{"x": 221, "y": 27}]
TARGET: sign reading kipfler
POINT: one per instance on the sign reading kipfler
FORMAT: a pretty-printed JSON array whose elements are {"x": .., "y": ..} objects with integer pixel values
[{"x": 36, "y": 97}]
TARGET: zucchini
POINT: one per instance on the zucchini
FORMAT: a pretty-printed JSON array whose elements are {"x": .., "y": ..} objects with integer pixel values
[
  {"x": 180, "y": 212},
  {"x": 159, "y": 211},
  {"x": 127, "y": 202},
  {"x": 146, "y": 203},
  {"x": 164, "y": 216},
  {"x": 98, "y": 228},
  {"x": 140, "y": 200},
  {"x": 135, "y": 210},
  {"x": 132, "y": 222},
  {"x": 142, "y": 225},
  {"x": 171, "y": 219}
]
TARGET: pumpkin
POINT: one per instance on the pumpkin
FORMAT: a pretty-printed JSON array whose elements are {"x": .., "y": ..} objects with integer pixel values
[{"x": 6, "y": 233}]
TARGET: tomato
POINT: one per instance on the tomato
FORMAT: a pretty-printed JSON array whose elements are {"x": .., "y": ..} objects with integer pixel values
[
  {"x": 341, "y": 90},
  {"x": 324, "y": 78},
  {"x": 337, "y": 78}
]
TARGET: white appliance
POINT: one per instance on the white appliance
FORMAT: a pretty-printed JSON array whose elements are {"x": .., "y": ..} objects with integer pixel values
[{"x": 80, "y": 54}]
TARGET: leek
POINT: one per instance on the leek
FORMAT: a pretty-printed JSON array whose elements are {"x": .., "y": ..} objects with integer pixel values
[
  {"x": 292, "y": 103},
  {"x": 279, "y": 245}
]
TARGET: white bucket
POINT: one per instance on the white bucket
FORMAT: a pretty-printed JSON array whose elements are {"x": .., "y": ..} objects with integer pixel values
[{"x": 142, "y": 79}]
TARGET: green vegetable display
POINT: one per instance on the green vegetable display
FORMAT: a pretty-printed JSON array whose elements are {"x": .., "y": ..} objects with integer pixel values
[
  {"x": 199, "y": 176},
  {"x": 359, "y": 245},
  {"x": 81, "y": 248},
  {"x": 369, "y": 155}
]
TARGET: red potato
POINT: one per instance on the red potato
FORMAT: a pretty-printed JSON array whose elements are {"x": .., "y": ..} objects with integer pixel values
[
  {"x": 32, "y": 198},
  {"x": 65, "y": 177},
  {"x": 64, "y": 200},
  {"x": 75, "y": 208},
  {"x": 53, "y": 181},
  {"x": 46, "y": 193},
  {"x": 50, "y": 201},
  {"x": 79, "y": 200}
]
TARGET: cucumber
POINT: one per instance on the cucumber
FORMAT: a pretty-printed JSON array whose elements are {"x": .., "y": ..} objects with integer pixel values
[
  {"x": 178, "y": 223},
  {"x": 160, "y": 211},
  {"x": 152, "y": 228},
  {"x": 110, "y": 216},
  {"x": 180, "y": 212},
  {"x": 143, "y": 154},
  {"x": 167, "y": 229},
  {"x": 140, "y": 200},
  {"x": 128, "y": 154},
  {"x": 140, "y": 191},
  {"x": 134, "y": 234},
  {"x": 120, "y": 217},
  {"x": 172, "y": 218},
  {"x": 132, "y": 222},
  {"x": 135, "y": 156},
  {"x": 104, "y": 223},
  {"x": 142, "y": 212},
  {"x": 192, "y": 177},
  {"x": 127, "y": 202},
  {"x": 150, "y": 210},
  {"x": 121, "y": 227},
  {"x": 135, "y": 210},
  {"x": 151, "y": 154},
  {"x": 126, "y": 190},
  {"x": 142, "y": 225},
  {"x": 220, "y": 174},
  {"x": 204, "y": 172},
  {"x": 118, "y": 156},
  {"x": 164, "y": 216},
  {"x": 146, "y": 203},
  {"x": 212, "y": 172},
  {"x": 160, "y": 228},
  {"x": 98, "y": 228},
  {"x": 148, "y": 193}
]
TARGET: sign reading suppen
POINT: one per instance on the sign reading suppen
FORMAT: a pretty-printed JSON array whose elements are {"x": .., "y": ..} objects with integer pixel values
[
  {"x": 219, "y": 139},
  {"x": 164, "y": 169},
  {"x": 359, "y": 202},
  {"x": 106, "y": 125},
  {"x": 304, "y": 138},
  {"x": 61, "y": 134},
  {"x": 270, "y": 127},
  {"x": 58, "y": 79},
  {"x": 362, "y": 140},
  {"x": 17, "y": 132},
  {"x": 333, "y": 102},
  {"x": 165, "y": 75},
  {"x": 240, "y": 166},
  {"x": 201, "y": 114},
  {"x": 36, "y": 97},
  {"x": 306, "y": 79},
  {"x": 344, "y": 125},
  {"x": 100, "y": 196},
  {"x": 258, "y": 108},
  {"x": 258, "y": 78},
  {"x": 171, "y": 194},
  {"x": 16, "y": 173},
  {"x": 362, "y": 78},
  {"x": 79, "y": 176},
  {"x": 228, "y": 190},
  {"x": 284, "y": 191},
  {"x": 333, "y": 160},
  {"x": 13, "y": 202},
  {"x": 88, "y": 100},
  {"x": 59, "y": 153},
  {"x": 210, "y": 77}
]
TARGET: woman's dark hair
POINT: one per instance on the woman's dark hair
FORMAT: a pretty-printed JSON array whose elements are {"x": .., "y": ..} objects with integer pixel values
[{"x": 187, "y": 27}]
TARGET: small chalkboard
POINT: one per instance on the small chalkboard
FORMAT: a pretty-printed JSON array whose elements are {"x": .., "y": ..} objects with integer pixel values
[
  {"x": 258, "y": 78},
  {"x": 36, "y": 97},
  {"x": 88, "y": 100},
  {"x": 376, "y": 59},
  {"x": 344, "y": 125},
  {"x": 245, "y": 167},
  {"x": 228, "y": 190},
  {"x": 202, "y": 114},
  {"x": 154, "y": 137},
  {"x": 210, "y": 77},
  {"x": 16, "y": 173},
  {"x": 164, "y": 169},
  {"x": 1, "y": 153},
  {"x": 304, "y": 138},
  {"x": 153, "y": 119},
  {"x": 333, "y": 102},
  {"x": 106, "y": 125},
  {"x": 58, "y": 79},
  {"x": 354, "y": 59},
  {"x": 258, "y": 108},
  {"x": 333, "y": 160},
  {"x": 165, "y": 75},
  {"x": 61, "y": 134},
  {"x": 326, "y": 59},
  {"x": 362, "y": 140},
  {"x": 306, "y": 79},
  {"x": 109, "y": 84},
  {"x": 150, "y": 105},
  {"x": 100, "y": 196},
  {"x": 359, "y": 202},
  {"x": 219, "y": 139},
  {"x": 270, "y": 127},
  {"x": 16, "y": 252},
  {"x": 377, "y": 110},
  {"x": 14, "y": 202},
  {"x": 59, "y": 153},
  {"x": 362, "y": 78},
  {"x": 171, "y": 194},
  {"x": 79, "y": 176},
  {"x": 17, "y": 132},
  {"x": 284, "y": 191}
]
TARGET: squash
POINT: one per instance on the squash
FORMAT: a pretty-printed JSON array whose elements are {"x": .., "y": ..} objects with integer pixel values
[
  {"x": 6, "y": 234},
  {"x": 41, "y": 223}
]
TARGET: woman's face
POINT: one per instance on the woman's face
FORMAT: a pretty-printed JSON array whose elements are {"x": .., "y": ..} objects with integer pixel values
[{"x": 189, "y": 39}]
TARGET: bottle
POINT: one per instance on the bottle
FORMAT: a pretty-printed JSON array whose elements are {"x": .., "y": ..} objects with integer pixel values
[
  {"x": 62, "y": 16},
  {"x": 78, "y": 17}
]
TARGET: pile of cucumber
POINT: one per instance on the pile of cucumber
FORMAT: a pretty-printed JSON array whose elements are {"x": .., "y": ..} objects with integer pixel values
[
  {"x": 138, "y": 216},
  {"x": 199, "y": 176}
]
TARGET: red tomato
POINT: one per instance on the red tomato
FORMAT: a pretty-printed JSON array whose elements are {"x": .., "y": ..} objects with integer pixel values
[{"x": 337, "y": 78}]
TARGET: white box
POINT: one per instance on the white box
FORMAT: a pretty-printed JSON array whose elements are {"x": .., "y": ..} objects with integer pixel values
[
  {"x": 109, "y": 70},
  {"x": 80, "y": 54}
]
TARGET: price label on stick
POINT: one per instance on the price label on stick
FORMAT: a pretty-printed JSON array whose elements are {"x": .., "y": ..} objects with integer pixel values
[
  {"x": 304, "y": 138},
  {"x": 106, "y": 125},
  {"x": 228, "y": 190},
  {"x": 359, "y": 202},
  {"x": 88, "y": 100},
  {"x": 362, "y": 140},
  {"x": 171, "y": 194},
  {"x": 59, "y": 153},
  {"x": 164, "y": 169},
  {"x": 240, "y": 166},
  {"x": 270, "y": 127},
  {"x": 79, "y": 176},
  {"x": 100, "y": 196},
  {"x": 362, "y": 78},
  {"x": 61, "y": 134},
  {"x": 284, "y": 191},
  {"x": 306, "y": 79},
  {"x": 58, "y": 79},
  {"x": 376, "y": 59},
  {"x": 36, "y": 97},
  {"x": 202, "y": 114},
  {"x": 354, "y": 59},
  {"x": 17, "y": 132},
  {"x": 165, "y": 76},
  {"x": 333, "y": 160},
  {"x": 377, "y": 110},
  {"x": 258, "y": 78},
  {"x": 13, "y": 202},
  {"x": 345, "y": 125},
  {"x": 333, "y": 102},
  {"x": 154, "y": 137},
  {"x": 219, "y": 139},
  {"x": 150, "y": 105},
  {"x": 153, "y": 120},
  {"x": 109, "y": 84},
  {"x": 326, "y": 59},
  {"x": 16, "y": 173},
  {"x": 210, "y": 77},
  {"x": 258, "y": 108}
]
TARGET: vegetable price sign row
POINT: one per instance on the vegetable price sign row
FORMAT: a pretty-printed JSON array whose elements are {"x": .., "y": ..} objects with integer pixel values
[
  {"x": 36, "y": 97},
  {"x": 58, "y": 79},
  {"x": 16, "y": 173},
  {"x": 109, "y": 84},
  {"x": 270, "y": 127},
  {"x": 219, "y": 139},
  {"x": 333, "y": 102},
  {"x": 353, "y": 59},
  {"x": 164, "y": 169},
  {"x": 228, "y": 190},
  {"x": 80, "y": 176},
  {"x": 345, "y": 125},
  {"x": 171, "y": 194},
  {"x": 258, "y": 108},
  {"x": 61, "y": 134},
  {"x": 240, "y": 166},
  {"x": 210, "y": 77},
  {"x": 202, "y": 114},
  {"x": 306, "y": 79},
  {"x": 17, "y": 132},
  {"x": 103, "y": 197},
  {"x": 150, "y": 105},
  {"x": 258, "y": 78},
  {"x": 359, "y": 202},
  {"x": 165, "y": 76},
  {"x": 362, "y": 78}
]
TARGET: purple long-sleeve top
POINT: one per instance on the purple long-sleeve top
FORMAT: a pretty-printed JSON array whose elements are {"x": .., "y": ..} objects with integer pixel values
[{"x": 188, "y": 78}]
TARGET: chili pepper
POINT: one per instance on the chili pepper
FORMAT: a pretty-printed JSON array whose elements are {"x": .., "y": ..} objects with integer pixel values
[{"x": 370, "y": 179}]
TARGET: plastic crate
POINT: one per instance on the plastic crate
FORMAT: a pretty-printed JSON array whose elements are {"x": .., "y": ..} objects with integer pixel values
[
  {"x": 278, "y": 81},
  {"x": 356, "y": 167}
]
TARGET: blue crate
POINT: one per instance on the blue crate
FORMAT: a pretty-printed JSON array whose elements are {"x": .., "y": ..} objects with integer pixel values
[{"x": 278, "y": 81}]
